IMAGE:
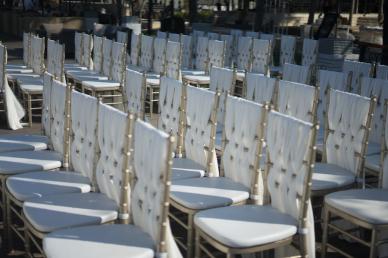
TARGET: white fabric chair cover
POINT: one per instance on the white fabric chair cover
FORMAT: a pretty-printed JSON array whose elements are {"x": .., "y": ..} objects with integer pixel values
[
  {"x": 135, "y": 49},
  {"x": 252, "y": 34},
  {"x": 297, "y": 100},
  {"x": 37, "y": 54},
  {"x": 87, "y": 45},
  {"x": 58, "y": 112},
  {"x": 118, "y": 62},
  {"x": 297, "y": 73},
  {"x": 122, "y": 37},
  {"x": 236, "y": 34},
  {"x": 216, "y": 53},
  {"x": 187, "y": 46},
  {"x": 51, "y": 56},
  {"x": 27, "y": 48},
  {"x": 84, "y": 130},
  {"x": 170, "y": 96},
  {"x": 107, "y": 57},
  {"x": 382, "y": 72},
  {"x": 159, "y": 60},
  {"x": 261, "y": 56},
  {"x": 161, "y": 34},
  {"x": 135, "y": 83},
  {"x": 228, "y": 39},
  {"x": 46, "y": 103},
  {"x": 174, "y": 37},
  {"x": 260, "y": 88},
  {"x": 111, "y": 141},
  {"x": 78, "y": 47},
  {"x": 55, "y": 59},
  {"x": 357, "y": 70},
  {"x": 196, "y": 34},
  {"x": 198, "y": 128},
  {"x": 309, "y": 52},
  {"x": 244, "y": 52},
  {"x": 60, "y": 62},
  {"x": 221, "y": 79},
  {"x": 287, "y": 50},
  {"x": 173, "y": 60},
  {"x": 347, "y": 117},
  {"x": 202, "y": 54},
  {"x": 213, "y": 36},
  {"x": 98, "y": 53},
  {"x": 151, "y": 183},
  {"x": 147, "y": 52},
  {"x": 286, "y": 177},
  {"x": 267, "y": 36}
]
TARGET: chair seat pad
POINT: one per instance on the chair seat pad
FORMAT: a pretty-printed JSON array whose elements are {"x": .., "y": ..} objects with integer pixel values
[
  {"x": 26, "y": 161},
  {"x": 183, "y": 168},
  {"x": 197, "y": 79},
  {"x": 208, "y": 192},
  {"x": 370, "y": 205},
  {"x": 113, "y": 241},
  {"x": 84, "y": 75},
  {"x": 240, "y": 75},
  {"x": 329, "y": 176},
  {"x": 74, "y": 66},
  {"x": 373, "y": 148},
  {"x": 244, "y": 226},
  {"x": 137, "y": 68},
  {"x": 32, "y": 88},
  {"x": 186, "y": 72},
  {"x": 20, "y": 70},
  {"x": 15, "y": 66},
  {"x": 39, "y": 184},
  {"x": 54, "y": 212},
  {"x": 17, "y": 76},
  {"x": 372, "y": 162},
  {"x": 101, "y": 84},
  {"x": 23, "y": 142},
  {"x": 153, "y": 81}
]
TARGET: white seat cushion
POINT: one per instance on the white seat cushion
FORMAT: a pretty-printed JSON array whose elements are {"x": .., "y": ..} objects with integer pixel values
[
  {"x": 55, "y": 212},
  {"x": 32, "y": 88},
  {"x": 208, "y": 192},
  {"x": 185, "y": 168},
  {"x": 26, "y": 161},
  {"x": 113, "y": 241},
  {"x": 373, "y": 148},
  {"x": 16, "y": 76},
  {"x": 372, "y": 162},
  {"x": 244, "y": 226},
  {"x": 186, "y": 72},
  {"x": 15, "y": 66},
  {"x": 101, "y": 84},
  {"x": 153, "y": 79},
  {"x": 370, "y": 205},
  {"x": 75, "y": 67},
  {"x": 329, "y": 176},
  {"x": 38, "y": 184},
  {"x": 197, "y": 79},
  {"x": 23, "y": 142},
  {"x": 240, "y": 75},
  {"x": 83, "y": 75},
  {"x": 20, "y": 70}
]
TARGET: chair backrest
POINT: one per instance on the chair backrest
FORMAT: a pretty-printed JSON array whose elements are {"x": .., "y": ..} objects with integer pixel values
[
  {"x": 297, "y": 73},
  {"x": 87, "y": 43},
  {"x": 309, "y": 52},
  {"x": 135, "y": 92},
  {"x": 242, "y": 140},
  {"x": 122, "y": 37},
  {"x": 216, "y": 53},
  {"x": 170, "y": 105},
  {"x": 98, "y": 56},
  {"x": 372, "y": 87},
  {"x": 200, "y": 128},
  {"x": 328, "y": 80},
  {"x": 175, "y": 37},
  {"x": 261, "y": 56},
  {"x": 187, "y": 46},
  {"x": 346, "y": 130},
  {"x": 27, "y": 48},
  {"x": 222, "y": 80},
  {"x": 161, "y": 34},
  {"x": 260, "y": 88},
  {"x": 297, "y": 100},
  {"x": 383, "y": 180},
  {"x": 151, "y": 187},
  {"x": 236, "y": 34},
  {"x": 37, "y": 54},
  {"x": 196, "y": 34},
  {"x": 51, "y": 56},
  {"x": 83, "y": 154},
  {"x": 228, "y": 39},
  {"x": 159, "y": 62},
  {"x": 244, "y": 53},
  {"x": 267, "y": 36},
  {"x": 382, "y": 71},
  {"x": 78, "y": 47},
  {"x": 60, "y": 62},
  {"x": 252, "y": 34},
  {"x": 46, "y": 103},
  {"x": 356, "y": 70},
  {"x": 213, "y": 36},
  {"x": 135, "y": 49},
  {"x": 287, "y": 50},
  {"x": 147, "y": 52},
  {"x": 107, "y": 57},
  {"x": 202, "y": 54},
  {"x": 290, "y": 158},
  {"x": 118, "y": 62},
  {"x": 173, "y": 60}
]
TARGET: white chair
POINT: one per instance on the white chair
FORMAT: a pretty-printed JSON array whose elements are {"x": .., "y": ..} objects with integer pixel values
[
  {"x": 77, "y": 63},
  {"x": 200, "y": 65},
  {"x": 56, "y": 60},
  {"x": 239, "y": 181},
  {"x": 244, "y": 57},
  {"x": 135, "y": 92},
  {"x": 297, "y": 73},
  {"x": 174, "y": 37},
  {"x": 158, "y": 62},
  {"x": 309, "y": 52},
  {"x": 213, "y": 36},
  {"x": 236, "y": 34},
  {"x": 348, "y": 119},
  {"x": 356, "y": 70},
  {"x": 271, "y": 38},
  {"x": 25, "y": 67},
  {"x": 195, "y": 35},
  {"x": 162, "y": 34},
  {"x": 252, "y": 34},
  {"x": 261, "y": 56},
  {"x": 246, "y": 229},
  {"x": 287, "y": 52},
  {"x": 228, "y": 39},
  {"x": 135, "y": 50},
  {"x": 260, "y": 88},
  {"x": 150, "y": 234},
  {"x": 382, "y": 71},
  {"x": 187, "y": 53},
  {"x": 173, "y": 60},
  {"x": 364, "y": 208}
]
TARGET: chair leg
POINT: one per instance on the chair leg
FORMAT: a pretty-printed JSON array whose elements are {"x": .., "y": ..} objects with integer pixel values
[
  {"x": 197, "y": 245},
  {"x": 190, "y": 235},
  {"x": 373, "y": 246},
  {"x": 326, "y": 217},
  {"x": 29, "y": 107},
  {"x": 27, "y": 245},
  {"x": 151, "y": 96},
  {"x": 9, "y": 225}
]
